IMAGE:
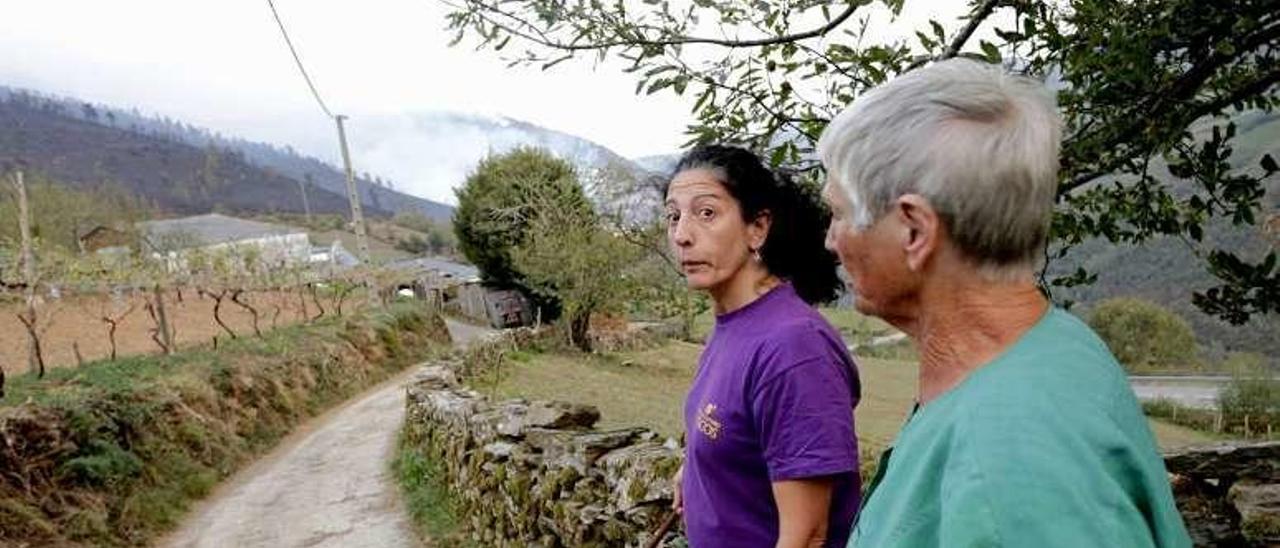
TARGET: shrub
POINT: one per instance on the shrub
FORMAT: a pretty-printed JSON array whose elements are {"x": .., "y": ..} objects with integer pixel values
[{"x": 1144, "y": 336}]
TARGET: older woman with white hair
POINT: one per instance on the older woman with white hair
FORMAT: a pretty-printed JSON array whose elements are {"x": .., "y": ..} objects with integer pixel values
[{"x": 1025, "y": 431}]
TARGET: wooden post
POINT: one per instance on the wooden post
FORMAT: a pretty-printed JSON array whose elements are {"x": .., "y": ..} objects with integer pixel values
[
  {"x": 162, "y": 319},
  {"x": 35, "y": 356}
]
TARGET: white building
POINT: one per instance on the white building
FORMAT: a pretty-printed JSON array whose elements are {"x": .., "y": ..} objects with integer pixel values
[{"x": 172, "y": 239}]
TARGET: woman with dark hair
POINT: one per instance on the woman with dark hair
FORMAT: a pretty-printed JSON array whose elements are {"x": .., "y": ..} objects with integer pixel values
[{"x": 770, "y": 457}]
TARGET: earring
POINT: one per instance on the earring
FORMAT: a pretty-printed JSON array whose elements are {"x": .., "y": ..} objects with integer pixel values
[{"x": 755, "y": 252}]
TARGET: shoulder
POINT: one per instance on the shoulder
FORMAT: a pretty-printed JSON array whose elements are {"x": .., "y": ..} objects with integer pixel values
[
  {"x": 1053, "y": 404},
  {"x": 1059, "y": 366},
  {"x": 799, "y": 338}
]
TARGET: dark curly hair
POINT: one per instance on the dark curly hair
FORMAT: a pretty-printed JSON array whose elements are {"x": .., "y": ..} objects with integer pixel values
[{"x": 793, "y": 249}]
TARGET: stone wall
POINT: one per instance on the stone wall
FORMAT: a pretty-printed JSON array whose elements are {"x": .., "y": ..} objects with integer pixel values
[
  {"x": 538, "y": 473},
  {"x": 1229, "y": 494}
]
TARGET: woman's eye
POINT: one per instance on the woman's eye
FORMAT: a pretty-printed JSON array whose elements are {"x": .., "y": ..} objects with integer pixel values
[
  {"x": 673, "y": 217},
  {"x": 706, "y": 213}
]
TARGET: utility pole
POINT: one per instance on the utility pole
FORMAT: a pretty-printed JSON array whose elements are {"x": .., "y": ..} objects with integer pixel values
[
  {"x": 35, "y": 355},
  {"x": 353, "y": 194},
  {"x": 357, "y": 211}
]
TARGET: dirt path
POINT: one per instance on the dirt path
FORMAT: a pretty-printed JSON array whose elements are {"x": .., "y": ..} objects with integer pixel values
[{"x": 327, "y": 484}]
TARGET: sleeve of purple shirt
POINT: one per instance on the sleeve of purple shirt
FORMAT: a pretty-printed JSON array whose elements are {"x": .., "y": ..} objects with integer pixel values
[{"x": 803, "y": 407}]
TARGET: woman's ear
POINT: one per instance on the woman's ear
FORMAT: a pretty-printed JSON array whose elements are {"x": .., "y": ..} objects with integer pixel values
[
  {"x": 922, "y": 229},
  {"x": 758, "y": 229}
]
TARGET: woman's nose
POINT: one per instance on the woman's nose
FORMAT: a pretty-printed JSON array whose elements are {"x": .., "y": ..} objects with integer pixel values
[{"x": 680, "y": 234}]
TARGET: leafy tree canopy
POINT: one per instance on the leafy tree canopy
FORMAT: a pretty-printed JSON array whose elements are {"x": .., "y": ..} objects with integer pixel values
[
  {"x": 1150, "y": 92},
  {"x": 498, "y": 203}
]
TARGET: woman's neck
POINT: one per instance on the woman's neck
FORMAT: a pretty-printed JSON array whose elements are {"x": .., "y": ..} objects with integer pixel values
[
  {"x": 967, "y": 326},
  {"x": 742, "y": 289}
]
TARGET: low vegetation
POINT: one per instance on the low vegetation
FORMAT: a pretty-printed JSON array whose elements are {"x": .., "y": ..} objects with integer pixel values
[
  {"x": 112, "y": 453},
  {"x": 1146, "y": 337},
  {"x": 647, "y": 387},
  {"x": 431, "y": 507}
]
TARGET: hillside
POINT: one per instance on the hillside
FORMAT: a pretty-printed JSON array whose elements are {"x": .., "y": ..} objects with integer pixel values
[
  {"x": 119, "y": 130},
  {"x": 176, "y": 177},
  {"x": 1167, "y": 271}
]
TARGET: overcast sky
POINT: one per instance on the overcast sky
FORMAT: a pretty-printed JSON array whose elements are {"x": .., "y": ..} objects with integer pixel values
[{"x": 222, "y": 65}]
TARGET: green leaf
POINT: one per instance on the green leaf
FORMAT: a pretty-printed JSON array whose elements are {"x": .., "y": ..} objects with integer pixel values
[
  {"x": 779, "y": 154},
  {"x": 679, "y": 84},
  {"x": 657, "y": 85},
  {"x": 556, "y": 62},
  {"x": 1196, "y": 232},
  {"x": 1268, "y": 164},
  {"x": 457, "y": 38},
  {"x": 990, "y": 52},
  {"x": 937, "y": 31}
]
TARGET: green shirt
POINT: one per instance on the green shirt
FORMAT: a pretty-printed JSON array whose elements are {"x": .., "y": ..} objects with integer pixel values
[{"x": 1044, "y": 446}]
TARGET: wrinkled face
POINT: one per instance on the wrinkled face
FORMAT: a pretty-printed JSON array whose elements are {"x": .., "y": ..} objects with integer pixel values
[
  {"x": 706, "y": 231},
  {"x": 872, "y": 257}
]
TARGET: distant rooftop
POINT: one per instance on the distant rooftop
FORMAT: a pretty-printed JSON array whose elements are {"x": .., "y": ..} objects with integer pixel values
[
  {"x": 464, "y": 272},
  {"x": 209, "y": 230}
]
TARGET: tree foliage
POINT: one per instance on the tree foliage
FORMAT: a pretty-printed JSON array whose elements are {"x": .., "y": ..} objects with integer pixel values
[
  {"x": 568, "y": 251},
  {"x": 1148, "y": 90},
  {"x": 1144, "y": 336},
  {"x": 496, "y": 207}
]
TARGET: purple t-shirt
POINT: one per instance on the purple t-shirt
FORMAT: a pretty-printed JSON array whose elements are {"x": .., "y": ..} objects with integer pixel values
[{"x": 772, "y": 401}]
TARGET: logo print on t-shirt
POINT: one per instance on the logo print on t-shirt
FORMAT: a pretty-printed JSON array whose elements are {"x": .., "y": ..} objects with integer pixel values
[{"x": 708, "y": 423}]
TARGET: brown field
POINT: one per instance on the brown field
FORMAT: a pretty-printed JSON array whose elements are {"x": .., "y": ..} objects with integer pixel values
[{"x": 75, "y": 321}]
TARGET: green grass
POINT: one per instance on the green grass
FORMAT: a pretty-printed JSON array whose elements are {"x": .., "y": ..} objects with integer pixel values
[
  {"x": 69, "y": 384},
  {"x": 116, "y": 450},
  {"x": 856, "y": 328},
  {"x": 641, "y": 388},
  {"x": 430, "y": 505},
  {"x": 647, "y": 388}
]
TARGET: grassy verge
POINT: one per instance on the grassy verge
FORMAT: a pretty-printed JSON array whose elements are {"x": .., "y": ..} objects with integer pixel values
[
  {"x": 855, "y": 327},
  {"x": 112, "y": 453},
  {"x": 427, "y": 499},
  {"x": 1213, "y": 422}
]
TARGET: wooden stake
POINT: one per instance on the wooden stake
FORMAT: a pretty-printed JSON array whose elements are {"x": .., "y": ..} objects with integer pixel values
[{"x": 35, "y": 356}]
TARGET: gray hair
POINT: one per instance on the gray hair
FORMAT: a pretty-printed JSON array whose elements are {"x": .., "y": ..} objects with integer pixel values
[{"x": 981, "y": 145}]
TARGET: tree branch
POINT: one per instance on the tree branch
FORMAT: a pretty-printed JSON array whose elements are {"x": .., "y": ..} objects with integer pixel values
[
  {"x": 543, "y": 40},
  {"x": 957, "y": 43},
  {"x": 1257, "y": 87}
]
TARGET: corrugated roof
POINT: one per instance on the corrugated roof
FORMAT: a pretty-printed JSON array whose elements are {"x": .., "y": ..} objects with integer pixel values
[
  {"x": 209, "y": 229},
  {"x": 456, "y": 270}
]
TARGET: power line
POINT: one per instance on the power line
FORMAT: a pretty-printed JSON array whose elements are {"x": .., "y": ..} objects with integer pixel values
[{"x": 298, "y": 61}]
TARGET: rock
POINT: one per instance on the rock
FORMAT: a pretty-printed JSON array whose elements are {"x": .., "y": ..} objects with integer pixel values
[
  {"x": 581, "y": 450},
  {"x": 499, "y": 450},
  {"x": 640, "y": 474},
  {"x": 1227, "y": 461},
  {"x": 438, "y": 376},
  {"x": 1210, "y": 519},
  {"x": 561, "y": 415},
  {"x": 513, "y": 418},
  {"x": 450, "y": 407},
  {"x": 1259, "y": 507}
]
